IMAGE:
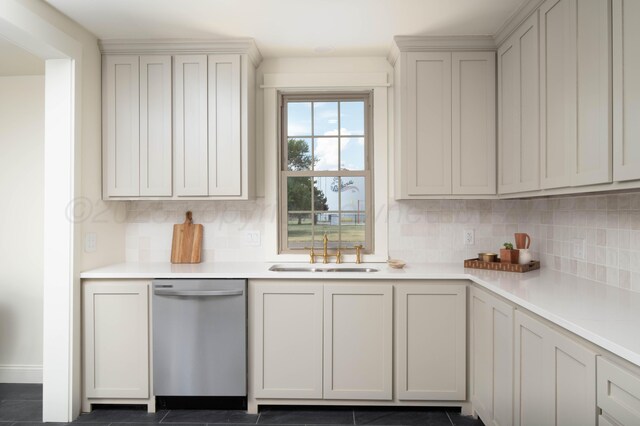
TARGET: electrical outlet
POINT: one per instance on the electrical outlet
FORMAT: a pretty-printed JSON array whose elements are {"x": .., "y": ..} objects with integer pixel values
[
  {"x": 252, "y": 239},
  {"x": 469, "y": 237},
  {"x": 577, "y": 248},
  {"x": 90, "y": 242}
]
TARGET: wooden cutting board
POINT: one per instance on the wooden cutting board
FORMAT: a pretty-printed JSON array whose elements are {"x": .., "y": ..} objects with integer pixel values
[{"x": 187, "y": 241}]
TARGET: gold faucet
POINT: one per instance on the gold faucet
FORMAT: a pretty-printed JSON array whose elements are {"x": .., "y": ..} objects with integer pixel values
[{"x": 325, "y": 252}]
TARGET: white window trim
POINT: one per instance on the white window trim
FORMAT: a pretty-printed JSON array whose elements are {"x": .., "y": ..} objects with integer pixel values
[{"x": 283, "y": 83}]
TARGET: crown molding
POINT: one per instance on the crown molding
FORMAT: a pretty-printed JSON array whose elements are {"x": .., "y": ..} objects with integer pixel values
[
  {"x": 526, "y": 8},
  {"x": 434, "y": 43},
  {"x": 169, "y": 46}
]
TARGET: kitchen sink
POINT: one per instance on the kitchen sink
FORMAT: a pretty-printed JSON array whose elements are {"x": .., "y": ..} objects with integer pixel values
[{"x": 281, "y": 268}]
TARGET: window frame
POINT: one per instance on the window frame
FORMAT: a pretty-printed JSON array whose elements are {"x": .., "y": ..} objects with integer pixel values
[{"x": 367, "y": 173}]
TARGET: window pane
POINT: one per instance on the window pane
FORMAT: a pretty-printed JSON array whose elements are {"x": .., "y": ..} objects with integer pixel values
[
  {"x": 352, "y": 153},
  {"x": 299, "y": 154},
  {"x": 325, "y": 118},
  {"x": 353, "y": 229},
  {"x": 325, "y": 151},
  {"x": 298, "y": 194},
  {"x": 299, "y": 119},
  {"x": 327, "y": 223},
  {"x": 352, "y": 118},
  {"x": 299, "y": 230},
  {"x": 353, "y": 194},
  {"x": 325, "y": 194}
]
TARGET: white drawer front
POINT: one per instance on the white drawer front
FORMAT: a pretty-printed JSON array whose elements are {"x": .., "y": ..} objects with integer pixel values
[{"x": 618, "y": 393}]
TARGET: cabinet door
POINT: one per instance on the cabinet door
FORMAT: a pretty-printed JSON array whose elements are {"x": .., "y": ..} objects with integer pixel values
[
  {"x": 626, "y": 89},
  {"x": 121, "y": 125},
  {"x": 190, "y": 112},
  {"x": 573, "y": 386},
  {"x": 533, "y": 399},
  {"x": 474, "y": 122},
  {"x": 431, "y": 337},
  {"x": 155, "y": 125},
  {"x": 224, "y": 126},
  {"x": 518, "y": 110},
  {"x": 492, "y": 358},
  {"x": 287, "y": 340},
  {"x": 358, "y": 341},
  {"x": 116, "y": 339},
  {"x": 428, "y": 123},
  {"x": 592, "y": 151},
  {"x": 555, "y": 377},
  {"x": 557, "y": 91}
]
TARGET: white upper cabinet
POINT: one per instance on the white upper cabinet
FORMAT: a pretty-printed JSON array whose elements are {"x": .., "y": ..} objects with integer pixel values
[
  {"x": 155, "y": 125},
  {"x": 191, "y": 139},
  {"x": 518, "y": 110},
  {"x": 121, "y": 125},
  {"x": 592, "y": 152},
  {"x": 557, "y": 91},
  {"x": 574, "y": 93},
  {"x": 179, "y": 126},
  {"x": 445, "y": 124},
  {"x": 474, "y": 122},
  {"x": 225, "y": 145},
  {"x": 626, "y": 89},
  {"x": 427, "y": 159}
]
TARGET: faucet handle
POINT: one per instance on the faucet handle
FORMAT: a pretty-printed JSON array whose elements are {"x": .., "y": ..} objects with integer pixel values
[
  {"x": 358, "y": 248},
  {"x": 312, "y": 254}
]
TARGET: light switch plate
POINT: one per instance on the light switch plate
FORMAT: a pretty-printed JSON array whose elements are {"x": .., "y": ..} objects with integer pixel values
[{"x": 90, "y": 242}]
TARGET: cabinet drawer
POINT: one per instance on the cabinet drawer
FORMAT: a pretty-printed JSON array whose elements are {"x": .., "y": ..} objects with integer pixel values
[{"x": 618, "y": 393}]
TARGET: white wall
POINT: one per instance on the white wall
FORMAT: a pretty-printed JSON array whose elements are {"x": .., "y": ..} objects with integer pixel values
[{"x": 21, "y": 227}]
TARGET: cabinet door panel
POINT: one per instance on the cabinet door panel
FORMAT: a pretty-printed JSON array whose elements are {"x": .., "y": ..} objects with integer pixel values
[
  {"x": 155, "y": 125},
  {"x": 474, "y": 123},
  {"x": 574, "y": 382},
  {"x": 116, "y": 340},
  {"x": 288, "y": 340},
  {"x": 358, "y": 341},
  {"x": 557, "y": 91},
  {"x": 190, "y": 106},
  {"x": 533, "y": 401},
  {"x": 593, "y": 149},
  {"x": 492, "y": 358},
  {"x": 224, "y": 125},
  {"x": 518, "y": 110},
  {"x": 626, "y": 89},
  {"x": 431, "y": 321},
  {"x": 121, "y": 125},
  {"x": 428, "y": 158}
]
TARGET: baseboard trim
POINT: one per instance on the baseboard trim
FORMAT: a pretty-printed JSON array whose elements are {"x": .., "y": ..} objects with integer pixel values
[{"x": 20, "y": 374}]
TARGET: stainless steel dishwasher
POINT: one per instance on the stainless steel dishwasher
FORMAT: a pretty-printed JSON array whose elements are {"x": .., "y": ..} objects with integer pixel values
[{"x": 199, "y": 337}]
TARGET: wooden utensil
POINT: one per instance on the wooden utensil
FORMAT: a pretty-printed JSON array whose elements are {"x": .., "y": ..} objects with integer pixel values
[{"x": 187, "y": 241}]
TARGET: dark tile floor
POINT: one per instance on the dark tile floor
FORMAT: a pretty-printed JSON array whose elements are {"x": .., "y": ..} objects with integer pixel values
[{"x": 21, "y": 405}]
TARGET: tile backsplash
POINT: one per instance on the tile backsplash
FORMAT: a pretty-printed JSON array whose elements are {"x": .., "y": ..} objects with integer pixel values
[{"x": 605, "y": 227}]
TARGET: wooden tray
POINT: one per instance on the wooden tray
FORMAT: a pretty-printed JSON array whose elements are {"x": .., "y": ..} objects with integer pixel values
[{"x": 498, "y": 266}]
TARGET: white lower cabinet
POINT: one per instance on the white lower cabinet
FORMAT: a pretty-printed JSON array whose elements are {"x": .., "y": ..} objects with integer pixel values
[
  {"x": 358, "y": 347},
  {"x": 431, "y": 341},
  {"x": 334, "y": 341},
  {"x": 287, "y": 340},
  {"x": 555, "y": 377},
  {"x": 116, "y": 343},
  {"x": 491, "y": 358}
]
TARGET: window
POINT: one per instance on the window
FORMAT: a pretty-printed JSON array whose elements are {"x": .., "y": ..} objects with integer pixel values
[{"x": 325, "y": 172}]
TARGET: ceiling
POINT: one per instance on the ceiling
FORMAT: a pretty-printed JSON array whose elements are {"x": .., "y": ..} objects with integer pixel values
[
  {"x": 291, "y": 27},
  {"x": 17, "y": 61}
]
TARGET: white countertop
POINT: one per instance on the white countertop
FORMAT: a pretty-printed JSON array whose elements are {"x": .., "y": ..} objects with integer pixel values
[{"x": 604, "y": 315}]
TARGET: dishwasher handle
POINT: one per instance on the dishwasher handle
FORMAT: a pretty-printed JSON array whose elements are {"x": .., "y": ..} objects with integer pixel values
[{"x": 199, "y": 293}]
